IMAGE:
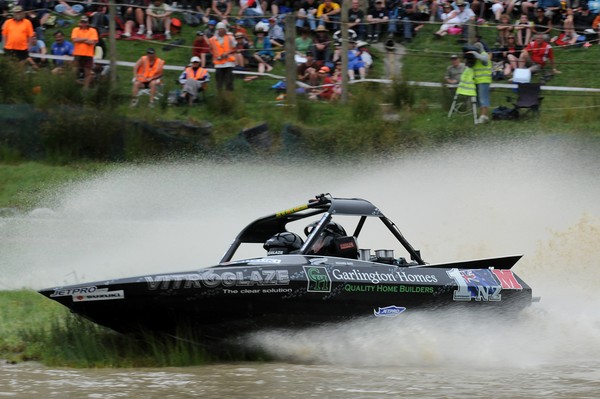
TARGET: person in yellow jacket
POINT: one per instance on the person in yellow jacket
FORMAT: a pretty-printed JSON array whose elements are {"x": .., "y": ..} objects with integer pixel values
[
  {"x": 223, "y": 47},
  {"x": 482, "y": 75},
  {"x": 466, "y": 84},
  {"x": 147, "y": 73},
  {"x": 194, "y": 79}
]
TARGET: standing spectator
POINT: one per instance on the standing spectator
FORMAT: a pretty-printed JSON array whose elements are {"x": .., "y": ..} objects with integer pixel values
[
  {"x": 523, "y": 30},
  {"x": 60, "y": 47},
  {"x": 194, "y": 80},
  {"x": 201, "y": 48},
  {"x": 275, "y": 34},
  {"x": 147, "y": 73},
  {"x": 378, "y": 20},
  {"x": 536, "y": 55},
  {"x": 158, "y": 18},
  {"x": 222, "y": 9},
  {"x": 16, "y": 34},
  {"x": 307, "y": 14},
  {"x": 482, "y": 75},
  {"x": 84, "y": 40},
  {"x": 454, "y": 70},
  {"x": 328, "y": 14},
  {"x": 222, "y": 48},
  {"x": 133, "y": 13}
]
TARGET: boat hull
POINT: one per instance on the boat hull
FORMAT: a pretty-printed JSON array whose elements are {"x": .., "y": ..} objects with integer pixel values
[{"x": 289, "y": 291}]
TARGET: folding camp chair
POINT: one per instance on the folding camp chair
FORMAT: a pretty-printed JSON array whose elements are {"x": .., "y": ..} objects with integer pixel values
[
  {"x": 464, "y": 105},
  {"x": 528, "y": 97}
]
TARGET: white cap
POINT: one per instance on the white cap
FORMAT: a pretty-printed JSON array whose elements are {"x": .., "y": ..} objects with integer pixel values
[
  {"x": 221, "y": 25},
  {"x": 195, "y": 59}
]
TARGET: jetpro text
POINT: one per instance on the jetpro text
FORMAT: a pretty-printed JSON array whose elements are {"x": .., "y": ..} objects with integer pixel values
[{"x": 376, "y": 277}]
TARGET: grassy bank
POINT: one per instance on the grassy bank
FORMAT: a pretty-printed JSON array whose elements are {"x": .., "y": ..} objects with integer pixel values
[{"x": 35, "y": 328}]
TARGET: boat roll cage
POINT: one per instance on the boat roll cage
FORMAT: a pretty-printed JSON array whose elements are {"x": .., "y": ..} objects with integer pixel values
[{"x": 264, "y": 228}]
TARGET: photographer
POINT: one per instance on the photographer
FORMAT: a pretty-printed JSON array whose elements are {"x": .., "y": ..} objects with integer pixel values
[{"x": 482, "y": 76}]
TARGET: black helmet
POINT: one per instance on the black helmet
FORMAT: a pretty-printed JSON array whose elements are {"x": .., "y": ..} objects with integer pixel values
[
  {"x": 283, "y": 243},
  {"x": 331, "y": 228}
]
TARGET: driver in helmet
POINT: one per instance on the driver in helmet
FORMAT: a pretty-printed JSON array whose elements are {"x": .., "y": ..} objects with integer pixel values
[
  {"x": 283, "y": 243},
  {"x": 325, "y": 242}
]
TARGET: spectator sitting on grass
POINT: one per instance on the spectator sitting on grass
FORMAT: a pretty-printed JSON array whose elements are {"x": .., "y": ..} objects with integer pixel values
[
  {"x": 537, "y": 55},
  {"x": 158, "y": 18},
  {"x": 263, "y": 54}
]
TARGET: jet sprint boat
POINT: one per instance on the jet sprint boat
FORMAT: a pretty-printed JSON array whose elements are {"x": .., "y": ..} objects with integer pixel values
[{"x": 295, "y": 281}]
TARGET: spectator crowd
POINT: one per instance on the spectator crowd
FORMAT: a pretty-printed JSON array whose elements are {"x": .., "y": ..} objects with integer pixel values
[{"x": 249, "y": 35}]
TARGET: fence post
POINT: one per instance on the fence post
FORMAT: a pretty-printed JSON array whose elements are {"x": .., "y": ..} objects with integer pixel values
[
  {"x": 291, "y": 72},
  {"x": 344, "y": 55}
]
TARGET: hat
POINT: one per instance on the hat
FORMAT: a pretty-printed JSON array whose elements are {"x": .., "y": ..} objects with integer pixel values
[
  {"x": 259, "y": 29},
  {"x": 17, "y": 9},
  {"x": 361, "y": 43},
  {"x": 540, "y": 9},
  {"x": 84, "y": 19},
  {"x": 195, "y": 59},
  {"x": 221, "y": 25},
  {"x": 212, "y": 22},
  {"x": 239, "y": 35},
  {"x": 453, "y": 56},
  {"x": 272, "y": 19},
  {"x": 321, "y": 28},
  {"x": 324, "y": 69},
  {"x": 199, "y": 33},
  {"x": 478, "y": 46},
  {"x": 460, "y": 2},
  {"x": 150, "y": 51},
  {"x": 240, "y": 22}
]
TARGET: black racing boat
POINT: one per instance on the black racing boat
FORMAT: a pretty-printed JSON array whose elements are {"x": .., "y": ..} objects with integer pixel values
[{"x": 296, "y": 282}]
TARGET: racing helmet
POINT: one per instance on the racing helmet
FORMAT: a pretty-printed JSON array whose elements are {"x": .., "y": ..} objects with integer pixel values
[
  {"x": 324, "y": 245},
  {"x": 283, "y": 243}
]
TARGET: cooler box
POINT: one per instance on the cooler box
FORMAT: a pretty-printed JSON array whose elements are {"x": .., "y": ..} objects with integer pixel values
[{"x": 521, "y": 75}]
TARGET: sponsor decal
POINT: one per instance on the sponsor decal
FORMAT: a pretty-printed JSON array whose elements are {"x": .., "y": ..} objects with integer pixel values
[
  {"x": 264, "y": 260},
  {"x": 377, "y": 277},
  {"x": 389, "y": 311},
  {"x": 78, "y": 290},
  {"x": 213, "y": 279},
  {"x": 99, "y": 296},
  {"x": 292, "y": 210},
  {"x": 507, "y": 279},
  {"x": 318, "y": 279},
  {"x": 478, "y": 284},
  {"x": 401, "y": 289},
  {"x": 258, "y": 291}
]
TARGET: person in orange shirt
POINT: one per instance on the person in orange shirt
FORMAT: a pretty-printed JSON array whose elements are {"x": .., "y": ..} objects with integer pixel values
[
  {"x": 223, "y": 48},
  {"x": 147, "y": 73},
  {"x": 84, "y": 40},
  {"x": 16, "y": 34},
  {"x": 193, "y": 79}
]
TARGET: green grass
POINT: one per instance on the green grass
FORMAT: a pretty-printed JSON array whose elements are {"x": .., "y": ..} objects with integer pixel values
[
  {"x": 33, "y": 327},
  {"x": 23, "y": 185}
]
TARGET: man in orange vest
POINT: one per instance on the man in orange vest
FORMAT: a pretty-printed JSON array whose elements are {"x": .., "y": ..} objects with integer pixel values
[
  {"x": 16, "y": 33},
  {"x": 222, "y": 47},
  {"x": 194, "y": 79},
  {"x": 147, "y": 73},
  {"x": 84, "y": 40}
]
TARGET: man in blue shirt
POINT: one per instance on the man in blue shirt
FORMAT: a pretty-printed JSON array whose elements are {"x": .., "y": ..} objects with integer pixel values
[{"x": 60, "y": 47}]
